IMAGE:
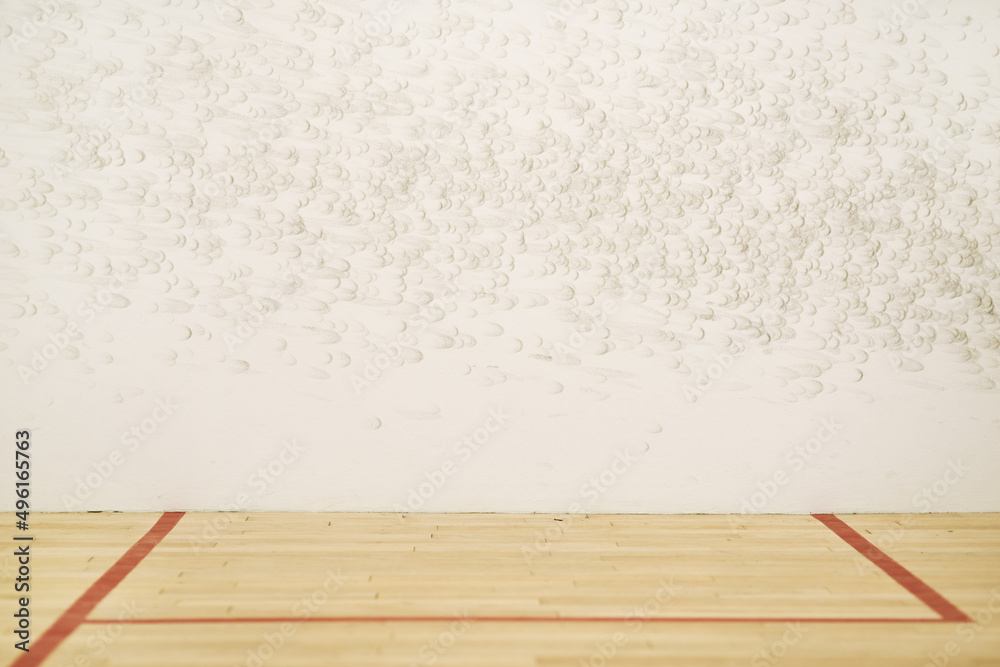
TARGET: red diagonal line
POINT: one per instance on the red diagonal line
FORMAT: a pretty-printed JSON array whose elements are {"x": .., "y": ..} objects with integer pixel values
[
  {"x": 77, "y": 613},
  {"x": 930, "y": 597}
]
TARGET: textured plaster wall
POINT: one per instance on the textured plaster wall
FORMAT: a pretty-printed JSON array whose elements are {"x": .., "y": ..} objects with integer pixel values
[{"x": 494, "y": 256}]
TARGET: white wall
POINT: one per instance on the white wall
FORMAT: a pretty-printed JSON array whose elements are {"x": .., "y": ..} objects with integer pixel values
[{"x": 723, "y": 259}]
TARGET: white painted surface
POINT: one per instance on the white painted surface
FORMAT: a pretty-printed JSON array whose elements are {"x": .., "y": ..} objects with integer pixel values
[{"x": 569, "y": 216}]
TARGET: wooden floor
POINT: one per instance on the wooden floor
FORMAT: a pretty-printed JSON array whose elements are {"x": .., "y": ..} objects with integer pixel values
[{"x": 474, "y": 589}]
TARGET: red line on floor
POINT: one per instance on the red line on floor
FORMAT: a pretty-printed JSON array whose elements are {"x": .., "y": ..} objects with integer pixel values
[
  {"x": 77, "y": 613},
  {"x": 501, "y": 619},
  {"x": 930, "y": 597}
]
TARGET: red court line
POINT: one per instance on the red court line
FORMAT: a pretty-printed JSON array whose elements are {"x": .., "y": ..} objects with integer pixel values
[
  {"x": 930, "y": 597},
  {"x": 947, "y": 612},
  {"x": 502, "y": 619},
  {"x": 77, "y": 613}
]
